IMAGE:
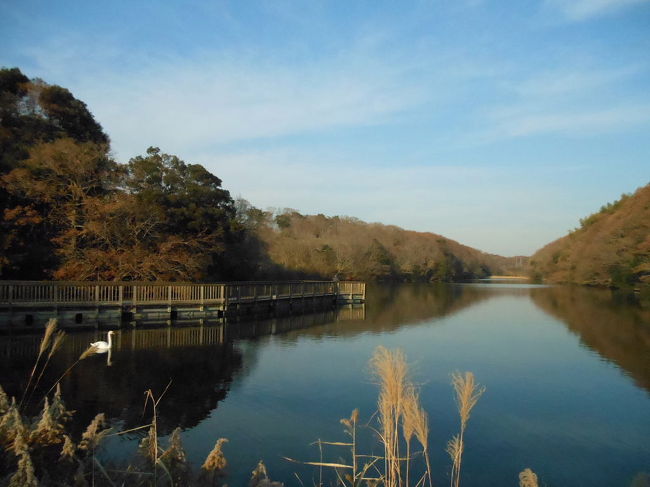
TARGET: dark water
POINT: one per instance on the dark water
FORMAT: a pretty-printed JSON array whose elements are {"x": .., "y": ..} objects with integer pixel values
[{"x": 567, "y": 372}]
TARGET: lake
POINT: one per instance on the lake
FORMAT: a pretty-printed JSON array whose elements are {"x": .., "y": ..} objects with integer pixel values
[{"x": 567, "y": 372}]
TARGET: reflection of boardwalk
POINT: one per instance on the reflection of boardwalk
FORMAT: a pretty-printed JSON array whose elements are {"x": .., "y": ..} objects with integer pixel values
[
  {"x": 185, "y": 336},
  {"x": 25, "y": 304}
]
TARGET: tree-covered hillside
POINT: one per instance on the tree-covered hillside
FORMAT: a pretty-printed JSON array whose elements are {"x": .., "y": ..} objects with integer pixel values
[
  {"x": 611, "y": 247},
  {"x": 70, "y": 211},
  {"x": 317, "y": 245}
]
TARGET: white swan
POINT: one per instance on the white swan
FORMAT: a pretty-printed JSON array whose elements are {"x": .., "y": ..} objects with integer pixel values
[{"x": 103, "y": 345}]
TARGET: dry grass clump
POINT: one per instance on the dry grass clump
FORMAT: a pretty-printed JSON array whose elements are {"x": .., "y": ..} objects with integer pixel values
[
  {"x": 94, "y": 434},
  {"x": 399, "y": 407},
  {"x": 49, "y": 430},
  {"x": 25, "y": 475},
  {"x": 260, "y": 477},
  {"x": 216, "y": 460},
  {"x": 527, "y": 478},
  {"x": 4, "y": 401},
  {"x": 402, "y": 424},
  {"x": 69, "y": 448}
]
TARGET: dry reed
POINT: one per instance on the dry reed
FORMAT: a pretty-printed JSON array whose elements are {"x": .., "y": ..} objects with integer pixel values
[
  {"x": 24, "y": 475},
  {"x": 91, "y": 350},
  {"x": 175, "y": 453},
  {"x": 400, "y": 415},
  {"x": 216, "y": 460},
  {"x": 415, "y": 422},
  {"x": 148, "y": 447},
  {"x": 391, "y": 370},
  {"x": 94, "y": 434},
  {"x": 49, "y": 430},
  {"x": 56, "y": 344},
  {"x": 50, "y": 328},
  {"x": 527, "y": 478},
  {"x": 11, "y": 426},
  {"x": 260, "y": 477},
  {"x": 68, "y": 450},
  {"x": 468, "y": 393},
  {"x": 174, "y": 459},
  {"x": 4, "y": 401}
]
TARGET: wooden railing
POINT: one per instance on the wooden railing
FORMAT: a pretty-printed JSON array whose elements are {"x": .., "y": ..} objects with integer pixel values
[
  {"x": 355, "y": 288},
  {"x": 133, "y": 293}
]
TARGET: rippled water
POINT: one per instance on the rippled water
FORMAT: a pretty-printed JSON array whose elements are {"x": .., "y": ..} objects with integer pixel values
[{"x": 567, "y": 372}]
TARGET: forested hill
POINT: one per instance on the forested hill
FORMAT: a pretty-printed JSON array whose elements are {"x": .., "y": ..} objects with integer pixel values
[
  {"x": 317, "y": 245},
  {"x": 611, "y": 247},
  {"x": 68, "y": 210}
]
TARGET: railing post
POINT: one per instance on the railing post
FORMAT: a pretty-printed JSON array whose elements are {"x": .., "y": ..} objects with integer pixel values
[{"x": 121, "y": 294}]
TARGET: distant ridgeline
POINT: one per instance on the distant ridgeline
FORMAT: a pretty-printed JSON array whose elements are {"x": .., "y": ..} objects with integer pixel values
[
  {"x": 611, "y": 247},
  {"x": 70, "y": 211},
  {"x": 322, "y": 245}
]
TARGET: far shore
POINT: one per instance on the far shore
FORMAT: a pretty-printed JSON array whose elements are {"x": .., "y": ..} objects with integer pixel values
[{"x": 508, "y": 277}]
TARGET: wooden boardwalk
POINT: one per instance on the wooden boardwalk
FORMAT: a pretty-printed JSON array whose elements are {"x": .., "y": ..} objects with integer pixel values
[{"x": 29, "y": 303}]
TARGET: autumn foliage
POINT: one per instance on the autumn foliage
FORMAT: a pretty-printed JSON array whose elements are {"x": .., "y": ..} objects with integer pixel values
[{"x": 611, "y": 247}]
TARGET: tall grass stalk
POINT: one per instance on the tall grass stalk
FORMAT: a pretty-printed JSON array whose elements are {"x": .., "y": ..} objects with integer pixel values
[
  {"x": 91, "y": 350},
  {"x": 56, "y": 344},
  {"x": 50, "y": 328},
  {"x": 468, "y": 392},
  {"x": 391, "y": 370},
  {"x": 415, "y": 423}
]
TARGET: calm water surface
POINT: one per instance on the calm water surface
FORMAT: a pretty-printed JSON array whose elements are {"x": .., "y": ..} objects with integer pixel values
[{"x": 567, "y": 372}]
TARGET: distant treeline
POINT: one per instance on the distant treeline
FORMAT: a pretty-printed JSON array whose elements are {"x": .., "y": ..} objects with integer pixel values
[
  {"x": 71, "y": 211},
  {"x": 611, "y": 247},
  {"x": 316, "y": 245}
]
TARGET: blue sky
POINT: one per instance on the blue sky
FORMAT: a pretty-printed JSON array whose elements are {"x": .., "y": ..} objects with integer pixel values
[{"x": 497, "y": 124}]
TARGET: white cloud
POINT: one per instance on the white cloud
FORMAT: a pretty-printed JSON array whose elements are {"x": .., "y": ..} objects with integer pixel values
[
  {"x": 224, "y": 99},
  {"x": 570, "y": 102},
  {"x": 577, "y": 10},
  {"x": 522, "y": 122},
  {"x": 562, "y": 82}
]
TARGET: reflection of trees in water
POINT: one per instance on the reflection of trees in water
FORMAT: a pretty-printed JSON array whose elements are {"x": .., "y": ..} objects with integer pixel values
[
  {"x": 201, "y": 363},
  {"x": 200, "y": 377},
  {"x": 613, "y": 324},
  {"x": 200, "y": 374},
  {"x": 392, "y": 306}
]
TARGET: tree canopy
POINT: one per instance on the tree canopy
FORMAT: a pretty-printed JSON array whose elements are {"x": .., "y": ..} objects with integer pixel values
[{"x": 70, "y": 211}]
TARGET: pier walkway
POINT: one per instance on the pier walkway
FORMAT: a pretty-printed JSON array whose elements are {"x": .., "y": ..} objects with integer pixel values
[{"x": 30, "y": 303}]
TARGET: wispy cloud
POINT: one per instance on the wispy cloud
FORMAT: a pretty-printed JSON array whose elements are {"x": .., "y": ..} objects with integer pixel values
[
  {"x": 560, "y": 82},
  {"x": 521, "y": 122},
  {"x": 578, "y": 10},
  {"x": 578, "y": 102},
  {"x": 220, "y": 98}
]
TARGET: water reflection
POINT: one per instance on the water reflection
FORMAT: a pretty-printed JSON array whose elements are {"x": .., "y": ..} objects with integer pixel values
[
  {"x": 201, "y": 362},
  {"x": 616, "y": 325},
  {"x": 277, "y": 372}
]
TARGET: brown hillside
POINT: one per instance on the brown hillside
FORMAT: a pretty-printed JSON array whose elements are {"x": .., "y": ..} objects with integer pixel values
[
  {"x": 316, "y": 245},
  {"x": 611, "y": 247}
]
